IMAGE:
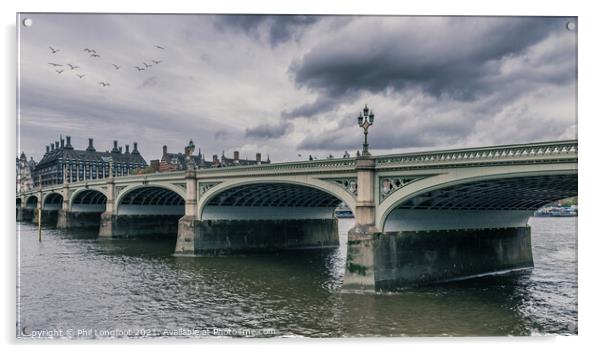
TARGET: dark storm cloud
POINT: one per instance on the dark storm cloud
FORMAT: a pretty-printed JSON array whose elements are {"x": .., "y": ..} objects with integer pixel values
[
  {"x": 433, "y": 82},
  {"x": 268, "y": 131},
  {"x": 320, "y": 105},
  {"x": 280, "y": 28},
  {"x": 394, "y": 132},
  {"x": 457, "y": 58}
]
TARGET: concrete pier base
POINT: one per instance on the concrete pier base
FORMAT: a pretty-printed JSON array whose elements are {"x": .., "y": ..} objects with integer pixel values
[
  {"x": 49, "y": 217},
  {"x": 24, "y": 215},
  {"x": 359, "y": 269},
  {"x": 396, "y": 260},
  {"x": 223, "y": 237},
  {"x": 67, "y": 219},
  {"x": 112, "y": 225}
]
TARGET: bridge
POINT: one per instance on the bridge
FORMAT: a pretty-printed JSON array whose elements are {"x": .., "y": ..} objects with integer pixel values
[{"x": 419, "y": 217}]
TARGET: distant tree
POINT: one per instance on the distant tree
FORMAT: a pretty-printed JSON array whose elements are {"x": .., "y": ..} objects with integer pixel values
[{"x": 145, "y": 170}]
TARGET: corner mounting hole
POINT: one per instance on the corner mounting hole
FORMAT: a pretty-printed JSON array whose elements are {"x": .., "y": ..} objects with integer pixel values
[
  {"x": 27, "y": 22},
  {"x": 571, "y": 26}
]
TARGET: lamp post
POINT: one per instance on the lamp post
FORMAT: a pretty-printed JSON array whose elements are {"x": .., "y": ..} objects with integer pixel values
[
  {"x": 365, "y": 120},
  {"x": 189, "y": 150}
]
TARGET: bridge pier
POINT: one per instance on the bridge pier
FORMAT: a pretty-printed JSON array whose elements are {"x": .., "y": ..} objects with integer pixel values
[
  {"x": 187, "y": 225},
  {"x": 49, "y": 217},
  {"x": 117, "y": 226},
  {"x": 24, "y": 214},
  {"x": 361, "y": 240},
  {"x": 409, "y": 258},
  {"x": 70, "y": 219},
  {"x": 425, "y": 246},
  {"x": 225, "y": 237}
]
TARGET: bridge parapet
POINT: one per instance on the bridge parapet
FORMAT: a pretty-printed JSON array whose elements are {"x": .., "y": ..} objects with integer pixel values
[
  {"x": 339, "y": 164},
  {"x": 524, "y": 153}
]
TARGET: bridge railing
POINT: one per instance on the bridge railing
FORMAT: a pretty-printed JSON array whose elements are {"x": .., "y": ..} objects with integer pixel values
[
  {"x": 338, "y": 163},
  {"x": 536, "y": 152},
  {"x": 532, "y": 151}
]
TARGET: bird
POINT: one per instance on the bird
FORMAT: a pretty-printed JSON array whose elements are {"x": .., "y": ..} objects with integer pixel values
[
  {"x": 73, "y": 67},
  {"x": 95, "y": 55},
  {"x": 159, "y": 47},
  {"x": 54, "y": 51},
  {"x": 80, "y": 76},
  {"x": 55, "y": 65},
  {"x": 147, "y": 65},
  {"x": 139, "y": 68},
  {"x": 89, "y": 50},
  {"x": 116, "y": 66},
  {"x": 60, "y": 71},
  {"x": 157, "y": 61},
  {"x": 104, "y": 84}
]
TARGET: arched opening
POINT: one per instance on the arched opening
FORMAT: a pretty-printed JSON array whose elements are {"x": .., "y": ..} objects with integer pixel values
[
  {"x": 151, "y": 200},
  {"x": 53, "y": 202},
  {"x": 267, "y": 216},
  {"x": 89, "y": 201},
  {"x": 463, "y": 228},
  {"x": 147, "y": 211},
  {"x": 85, "y": 210},
  {"x": 484, "y": 203},
  {"x": 270, "y": 201},
  {"x": 20, "y": 212},
  {"x": 31, "y": 202}
]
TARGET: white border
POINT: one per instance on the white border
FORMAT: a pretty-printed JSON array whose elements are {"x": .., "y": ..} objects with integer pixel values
[{"x": 589, "y": 132}]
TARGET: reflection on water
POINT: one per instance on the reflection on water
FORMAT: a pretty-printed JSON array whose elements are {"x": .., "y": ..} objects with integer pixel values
[{"x": 73, "y": 280}]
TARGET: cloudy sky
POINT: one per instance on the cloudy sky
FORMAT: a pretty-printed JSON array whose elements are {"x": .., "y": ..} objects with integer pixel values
[{"x": 290, "y": 85}]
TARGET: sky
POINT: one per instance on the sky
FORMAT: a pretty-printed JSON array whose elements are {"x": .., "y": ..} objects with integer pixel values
[{"x": 293, "y": 86}]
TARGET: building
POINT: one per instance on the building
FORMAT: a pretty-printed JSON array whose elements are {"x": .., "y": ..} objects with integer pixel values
[
  {"x": 170, "y": 162},
  {"x": 24, "y": 173},
  {"x": 61, "y": 159}
]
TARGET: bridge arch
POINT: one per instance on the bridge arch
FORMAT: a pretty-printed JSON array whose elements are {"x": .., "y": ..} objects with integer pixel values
[
  {"x": 295, "y": 196},
  {"x": 52, "y": 201},
  {"x": 88, "y": 200},
  {"x": 521, "y": 191},
  {"x": 151, "y": 199},
  {"x": 31, "y": 202}
]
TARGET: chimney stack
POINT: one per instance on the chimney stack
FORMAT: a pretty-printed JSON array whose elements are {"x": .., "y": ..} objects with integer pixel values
[
  {"x": 91, "y": 145},
  {"x": 119, "y": 149},
  {"x": 62, "y": 142},
  {"x": 68, "y": 143},
  {"x": 115, "y": 149},
  {"x": 258, "y": 158},
  {"x": 236, "y": 155},
  {"x": 215, "y": 158},
  {"x": 52, "y": 147},
  {"x": 56, "y": 145},
  {"x": 164, "y": 150},
  {"x": 127, "y": 149},
  {"x": 47, "y": 148},
  {"x": 135, "y": 150}
]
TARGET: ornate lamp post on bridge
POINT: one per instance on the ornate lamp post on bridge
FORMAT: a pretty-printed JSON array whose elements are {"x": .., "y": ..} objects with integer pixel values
[
  {"x": 360, "y": 250},
  {"x": 365, "y": 120}
]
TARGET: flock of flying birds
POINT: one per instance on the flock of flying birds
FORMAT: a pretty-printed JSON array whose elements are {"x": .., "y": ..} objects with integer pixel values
[{"x": 60, "y": 68}]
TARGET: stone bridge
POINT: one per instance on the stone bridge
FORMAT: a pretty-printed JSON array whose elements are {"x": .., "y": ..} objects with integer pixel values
[{"x": 419, "y": 217}]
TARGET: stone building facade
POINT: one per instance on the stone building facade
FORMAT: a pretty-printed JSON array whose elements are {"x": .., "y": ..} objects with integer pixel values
[
  {"x": 24, "y": 173},
  {"x": 170, "y": 162},
  {"x": 61, "y": 160}
]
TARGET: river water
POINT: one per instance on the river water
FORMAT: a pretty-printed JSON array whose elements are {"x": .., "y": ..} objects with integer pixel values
[{"x": 75, "y": 285}]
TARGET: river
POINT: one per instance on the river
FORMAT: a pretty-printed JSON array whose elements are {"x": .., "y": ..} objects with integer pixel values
[{"x": 75, "y": 285}]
